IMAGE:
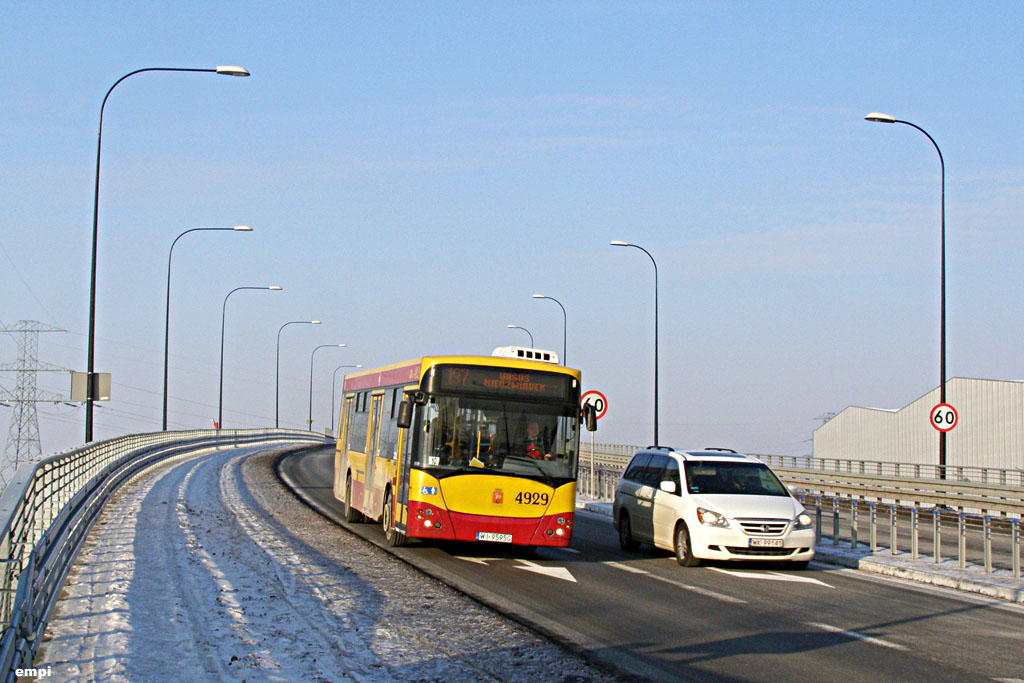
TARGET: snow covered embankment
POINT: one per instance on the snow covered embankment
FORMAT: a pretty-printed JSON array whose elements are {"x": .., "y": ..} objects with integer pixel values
[{"x": 209, "y": 569}]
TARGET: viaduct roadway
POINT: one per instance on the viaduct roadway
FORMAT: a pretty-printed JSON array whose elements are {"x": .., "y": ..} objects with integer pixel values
[{"x": 644, "y": 615}]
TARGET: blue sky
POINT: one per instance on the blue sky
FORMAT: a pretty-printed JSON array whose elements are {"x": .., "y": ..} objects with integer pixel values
[{"x": 414, "y": 172}]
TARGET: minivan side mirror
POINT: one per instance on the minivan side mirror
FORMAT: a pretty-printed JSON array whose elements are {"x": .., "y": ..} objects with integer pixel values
[{"x": 668, "y": 487}]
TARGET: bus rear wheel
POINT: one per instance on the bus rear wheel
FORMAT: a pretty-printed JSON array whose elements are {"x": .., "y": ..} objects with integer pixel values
[
  {"x": 394, "y": 537},
  {"x": 351, "y": 514}
]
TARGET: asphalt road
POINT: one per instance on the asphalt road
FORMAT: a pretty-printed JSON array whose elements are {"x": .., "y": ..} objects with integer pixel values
[{"x": 646, "y": 616}]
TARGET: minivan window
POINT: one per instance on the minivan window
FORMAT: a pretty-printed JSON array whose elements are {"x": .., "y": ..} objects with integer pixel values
[
  {"x": 671, "y": 474},
  {"x": 652, "y": 473},
  {"x": 738, "y": 478},
  {"x": 635, "y": 471}
]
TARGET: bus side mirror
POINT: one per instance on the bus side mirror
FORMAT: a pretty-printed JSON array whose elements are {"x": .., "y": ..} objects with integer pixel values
[
  {"x": 590, "y": 416},
  {"x": 405, "y": 414}
]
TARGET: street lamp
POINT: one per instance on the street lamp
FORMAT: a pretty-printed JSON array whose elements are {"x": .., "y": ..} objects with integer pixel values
[
  {"x": 223, "y": 70},
  {"x": 309, "y": 422},
  {"x": 277, "y": 374},
  {"x": 541, "y": 296},
  {"x": 517, "y": 327},
  {"x": 334, "y": 382},
  {"x": 620, "y": 243},
  {"x": 223, "y": 312},
  {"x": 167, "y": 309},
  {"x": 877, "y": 117}
]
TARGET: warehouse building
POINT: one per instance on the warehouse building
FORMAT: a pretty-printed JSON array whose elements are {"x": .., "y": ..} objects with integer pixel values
[{"x": 989, "y": 433}]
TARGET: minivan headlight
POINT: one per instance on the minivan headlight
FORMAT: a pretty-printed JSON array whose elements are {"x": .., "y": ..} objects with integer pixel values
[
  {"x": 802, "y": 521},
  {"x": 712, "y": 518}
]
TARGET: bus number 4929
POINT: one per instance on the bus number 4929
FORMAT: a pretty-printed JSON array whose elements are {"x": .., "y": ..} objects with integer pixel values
[{"x": 532, "y": 498}]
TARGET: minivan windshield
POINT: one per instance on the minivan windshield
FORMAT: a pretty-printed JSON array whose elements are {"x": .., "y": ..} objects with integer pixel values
[{"x": 737, "y": 478}]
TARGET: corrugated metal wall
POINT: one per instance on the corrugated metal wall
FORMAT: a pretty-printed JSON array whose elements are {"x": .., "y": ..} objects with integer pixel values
[{"x": 990, "y": 432}]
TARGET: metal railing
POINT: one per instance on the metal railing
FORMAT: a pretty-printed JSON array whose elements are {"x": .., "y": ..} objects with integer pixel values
[
  {"x": 937, "y": 521},
  {"x": 49, "y": 507}
]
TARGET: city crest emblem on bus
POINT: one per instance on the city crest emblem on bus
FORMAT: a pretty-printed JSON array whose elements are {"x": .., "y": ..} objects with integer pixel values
[{"x": 499, "y": 496}]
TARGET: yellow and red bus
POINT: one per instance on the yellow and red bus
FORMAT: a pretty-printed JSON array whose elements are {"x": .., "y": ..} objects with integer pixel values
[{"x": 462, "y": 448}]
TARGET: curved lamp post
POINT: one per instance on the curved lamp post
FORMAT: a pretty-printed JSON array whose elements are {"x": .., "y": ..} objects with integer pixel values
[
  {"x": 223, "y": 70},
  {"x": 564, "y": 323},
  {"x": 620, "y": 243},
  {"x": 223, "y": 313},
  {"x": 277, "y": 373},
  {"x": 877, "y": 117},
  {"x": 334, "y": 382},
  {"x": 517, "y": 327},
  {"x": 167, "y": 309},
  {"x": 309, "y": 422}
]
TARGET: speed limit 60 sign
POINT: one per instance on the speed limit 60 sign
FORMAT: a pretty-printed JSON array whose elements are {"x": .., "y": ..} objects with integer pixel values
[{"x": 944, "y": 417}]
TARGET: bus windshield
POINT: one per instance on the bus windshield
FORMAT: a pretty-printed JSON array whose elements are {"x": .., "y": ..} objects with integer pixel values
[{"x": 510, "y": 437}]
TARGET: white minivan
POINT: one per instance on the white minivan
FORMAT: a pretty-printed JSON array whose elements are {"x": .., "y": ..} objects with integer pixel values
[{"x": 712, "y": 504}]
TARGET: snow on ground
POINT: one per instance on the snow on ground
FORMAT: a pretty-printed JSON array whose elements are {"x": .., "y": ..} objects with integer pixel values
[{"x": 208, "y": 569}]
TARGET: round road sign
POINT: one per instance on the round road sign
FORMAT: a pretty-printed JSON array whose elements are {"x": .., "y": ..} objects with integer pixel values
[
  {"x": 944, "y": 417},
  {"x": 596, "y": 399}
]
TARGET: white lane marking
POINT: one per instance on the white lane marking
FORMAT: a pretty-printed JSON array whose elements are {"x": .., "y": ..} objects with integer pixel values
[
  {"x": 771, "y": 576},
  {"x": 702, "y": 591},
  {"x": 693, "y": 589},
  {"x": 857, "y": 636},
  {"x": 625, "y": 568},
  {"x": 478, "y": 560},
  {"x": 553, "y": 572}
]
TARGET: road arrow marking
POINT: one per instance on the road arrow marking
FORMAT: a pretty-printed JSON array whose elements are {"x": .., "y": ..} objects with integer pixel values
[
  {"x": 554, "y": 572},
  {"x": 771, "y": 576}
]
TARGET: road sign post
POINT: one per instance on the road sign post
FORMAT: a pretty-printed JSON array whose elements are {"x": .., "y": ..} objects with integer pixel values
[{"x": 599, "y": 404}]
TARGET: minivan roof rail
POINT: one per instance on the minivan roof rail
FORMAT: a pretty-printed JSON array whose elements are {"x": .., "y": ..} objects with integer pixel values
[
  {"x": 723, "y": 450},
  {"x": 659, "y": 448}
]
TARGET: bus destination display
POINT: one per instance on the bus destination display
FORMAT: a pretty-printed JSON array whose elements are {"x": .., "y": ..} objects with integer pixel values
[{"x": 475, "y": 379}]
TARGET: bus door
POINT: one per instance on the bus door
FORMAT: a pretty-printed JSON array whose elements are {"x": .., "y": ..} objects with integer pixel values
[
  {"x": 340, "y": 453},
  {"x": 403, "y": 472},
  {"x": 371, "y": 501}
]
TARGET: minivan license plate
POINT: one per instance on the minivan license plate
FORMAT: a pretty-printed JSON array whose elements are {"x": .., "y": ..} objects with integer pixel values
[
  {"x": 489, "y": 536},
  {"x": 766, "y": 542}
]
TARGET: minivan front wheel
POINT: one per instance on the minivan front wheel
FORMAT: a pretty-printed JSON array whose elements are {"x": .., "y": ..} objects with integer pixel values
[
  {"x": 684, "y": 551},
  {"x": 626, "y": 541}
]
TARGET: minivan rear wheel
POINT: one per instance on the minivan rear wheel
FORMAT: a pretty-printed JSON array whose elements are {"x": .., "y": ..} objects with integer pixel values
[
  {"x": 626, "y": 541},
  {"x": 684, "y": 551}
]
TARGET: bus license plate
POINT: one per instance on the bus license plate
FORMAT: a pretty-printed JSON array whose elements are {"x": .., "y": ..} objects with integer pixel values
[
  {"x": 489, "y": 536},
  {"x": 766, "y": 543}
]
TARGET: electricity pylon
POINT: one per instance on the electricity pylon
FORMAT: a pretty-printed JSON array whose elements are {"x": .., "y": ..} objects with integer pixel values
[{"x": 23, "y": 434}]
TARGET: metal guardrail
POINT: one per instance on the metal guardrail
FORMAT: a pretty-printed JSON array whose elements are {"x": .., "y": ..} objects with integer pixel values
[
  {"x": 984, "y": 476},
  {"x": 49, "y": 507}
]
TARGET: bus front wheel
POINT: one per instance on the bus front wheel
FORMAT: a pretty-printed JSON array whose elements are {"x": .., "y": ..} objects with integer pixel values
[{"x": 394, "y": 537}]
